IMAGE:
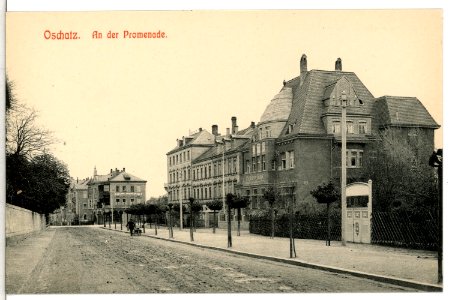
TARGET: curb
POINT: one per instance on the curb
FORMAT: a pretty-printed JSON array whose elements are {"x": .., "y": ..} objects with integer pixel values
[{"x": 427, "y": 287}]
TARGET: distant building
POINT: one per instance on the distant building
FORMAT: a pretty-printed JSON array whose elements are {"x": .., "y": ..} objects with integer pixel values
[
  {"x": 78, "y": 208},
  {"x": 296, "y": 145},
  {"x": 113, "y": 193}
]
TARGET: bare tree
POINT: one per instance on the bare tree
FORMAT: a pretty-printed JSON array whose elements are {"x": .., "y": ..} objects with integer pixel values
[{"x": 23, "y": 136}]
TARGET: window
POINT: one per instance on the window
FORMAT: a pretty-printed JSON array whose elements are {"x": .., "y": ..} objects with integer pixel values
[
  {"x": 117, "y": 188},
  {"x": 117, "y": 200},
  {"x": 124, "y": 200},
  {"x": 336, "y": 127},
  {"x": 354, "y": 158},
  {"x": 210, "y": 171},
  {"x": 254, "y": 164},
  {"x": 254, "y": 201},
  {"x": 124, "y": 188},
  {"x": 362, "y": 127},
  {"x": 268, "y": 131},
  {"x": 291, "y": 161},
  {"x": 273, "y": 165},
  {"x": 262, "y": 148},
  {"x": 132, "y": 188},
  {"x": 254, "y": 149},
  {"x": 283, "y": 161},
  {"x": 290, "y": 128},
  {"x": 85, "y": 205},
  {"x": 132, "y": 200},
  {"x": 258, "y": 163},
  {"x": 234, "y": 165},
  {"x": 248, "y": 166},
  {"x": 264, "y": 167},
  {"x": 350, "y": 127}
]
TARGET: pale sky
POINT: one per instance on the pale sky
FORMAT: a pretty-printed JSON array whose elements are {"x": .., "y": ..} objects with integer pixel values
[{"x": 123, "y": 103}]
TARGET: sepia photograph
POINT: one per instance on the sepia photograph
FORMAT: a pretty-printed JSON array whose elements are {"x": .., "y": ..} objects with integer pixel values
[{"x": 223, "y": 151}]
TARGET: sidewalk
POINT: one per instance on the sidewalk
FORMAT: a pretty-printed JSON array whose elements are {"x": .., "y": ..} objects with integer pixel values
[{"x": 395, "y": 265}]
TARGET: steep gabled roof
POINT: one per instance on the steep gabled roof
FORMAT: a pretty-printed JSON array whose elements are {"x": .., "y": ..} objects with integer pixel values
[
  {"x": 307, "y": 106},
  {"x": 403, "y": 111},
  {"x": 125, "y": 177},
  {"x": 200, "y": 138}
]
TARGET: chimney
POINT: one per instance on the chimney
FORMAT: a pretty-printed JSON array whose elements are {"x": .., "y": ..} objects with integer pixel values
[
  {"x": 338, "y": 64},
  {"x": 111, "y": 171},
  {"x": 123, "y": 170},
  {"x": 302, "y": 68},
  {"x": 253, "y": 125},
  {"x": 215, "y": 129},
  {"x": 200, "y": 129},
  {"x": 234, "y": 125},
  {"x": 227, "y": 132},
  {"x": 95, "y": 171}
]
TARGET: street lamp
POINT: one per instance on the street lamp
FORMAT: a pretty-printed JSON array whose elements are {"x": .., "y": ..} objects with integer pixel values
[
  {"x": 436, "y": 161},
  {"x": 343, "y": 167}
]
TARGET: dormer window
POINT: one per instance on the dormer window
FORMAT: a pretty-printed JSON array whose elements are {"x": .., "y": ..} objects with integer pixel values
[
  {"x": 336, "y": 127},
  {"x": 268, "y": 131},
  {"x": 363, "y": 127},
  {"x": 350, "y": 127},
  {"x": 290, "y": 128}
]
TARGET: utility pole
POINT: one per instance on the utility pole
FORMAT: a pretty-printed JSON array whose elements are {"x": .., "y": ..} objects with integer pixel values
[
  {"x": 343, "y": 168},
  {"x": 436, "y": 160}
]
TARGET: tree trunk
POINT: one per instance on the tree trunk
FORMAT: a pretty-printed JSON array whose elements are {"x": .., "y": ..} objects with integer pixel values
[
  {"x": 215, "y": 220},
  {"x": 292, "y": 240},
  {"x": 238, "y": 221},
  {"x": 229, "y": 228},
  {"x": 272, "y": 222},
  {"x": 191, "y": 226},
  {"x": 328, "y": 243},
  {"x": 155, "y": 225}
]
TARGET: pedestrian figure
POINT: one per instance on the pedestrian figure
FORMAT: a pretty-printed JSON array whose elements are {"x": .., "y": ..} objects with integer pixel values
[{"x": 131, "y": 225}]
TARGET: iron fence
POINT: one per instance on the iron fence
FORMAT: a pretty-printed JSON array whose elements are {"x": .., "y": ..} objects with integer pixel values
[{"x": 417, "y": 229}]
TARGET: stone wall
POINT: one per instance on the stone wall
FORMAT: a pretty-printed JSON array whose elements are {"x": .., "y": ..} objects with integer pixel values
[{"x": 20, "y": 221}]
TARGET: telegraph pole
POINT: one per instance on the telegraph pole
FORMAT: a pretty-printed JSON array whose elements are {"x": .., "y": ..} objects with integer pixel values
[
  {"x": 436, "y": 160},
  {"x": 343, "y": 168}
]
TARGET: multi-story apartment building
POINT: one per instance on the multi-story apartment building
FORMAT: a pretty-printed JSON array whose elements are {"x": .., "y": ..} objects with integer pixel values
[
  {"x": 114, "y": 192},
  {"x": 296, "y": 145},
  {"x": 78, "y": 208}
]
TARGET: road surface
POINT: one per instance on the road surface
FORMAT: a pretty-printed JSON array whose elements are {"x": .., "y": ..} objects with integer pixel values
[{"x": 74, "y": 260}]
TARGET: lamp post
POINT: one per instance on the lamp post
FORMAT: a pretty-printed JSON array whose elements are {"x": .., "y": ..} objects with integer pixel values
[
  {"x": 436, "y": 161},
  {"x": 180, "y": 211},
  {"x": 343, "y": 167},
  {"x": 223, "y": 177}
]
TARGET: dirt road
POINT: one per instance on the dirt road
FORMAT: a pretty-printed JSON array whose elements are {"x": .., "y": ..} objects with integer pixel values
[{"x": 94, "y": 260}]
